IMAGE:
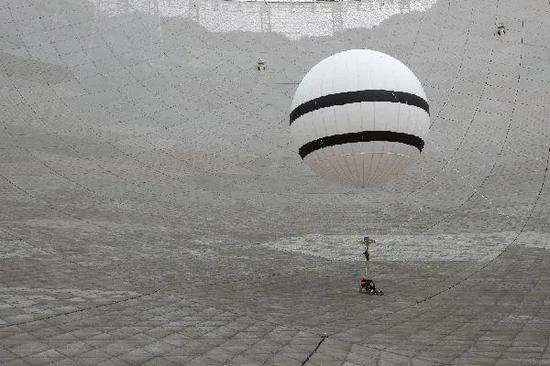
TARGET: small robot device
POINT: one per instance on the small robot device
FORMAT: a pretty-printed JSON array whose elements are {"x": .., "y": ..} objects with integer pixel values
[{"x": 367, "y": 285}]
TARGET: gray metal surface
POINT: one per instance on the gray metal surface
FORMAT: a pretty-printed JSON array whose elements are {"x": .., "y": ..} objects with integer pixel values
[{"x": 152, "y": 210}]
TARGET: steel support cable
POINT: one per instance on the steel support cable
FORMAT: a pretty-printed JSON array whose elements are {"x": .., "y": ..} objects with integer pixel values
[
  {"x": 30, "y": 153},
  {"x": 134, "y": 158},
  {"x": 509, "y": 245},
  {"x": 178, "y": 289},
  {"x": 485, "y": 265},
  {"x": 437, "y": 114},
  {"x": 61, "y": 175},
  {"x": 461, "y": 142},
  {"x": 130, "y": 298},
  {"x": 539, "y": 195},
  {"x": 476, "y": 190},
  {"x": 156, "y": 291},
  {"x": 131, "y": 157},
  {"x": 55, "y": 207},
  {"x": 451, "y": 90},
  {"x": 63, "y": 141},
  {"x": 493, "y": 167},
  {"x": 314, "y": 350}
]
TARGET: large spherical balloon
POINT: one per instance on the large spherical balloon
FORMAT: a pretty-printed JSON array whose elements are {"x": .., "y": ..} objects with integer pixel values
[{"x": 359, "y": 118}]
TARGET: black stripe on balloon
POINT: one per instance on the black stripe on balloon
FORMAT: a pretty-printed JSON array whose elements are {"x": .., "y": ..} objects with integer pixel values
[
  {"x": 364, "y": 136},
  {"x": 358, "y": 97}
]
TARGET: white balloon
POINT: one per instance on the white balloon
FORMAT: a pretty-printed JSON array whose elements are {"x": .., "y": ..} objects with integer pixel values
[{"x": 359, "y": 118}]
